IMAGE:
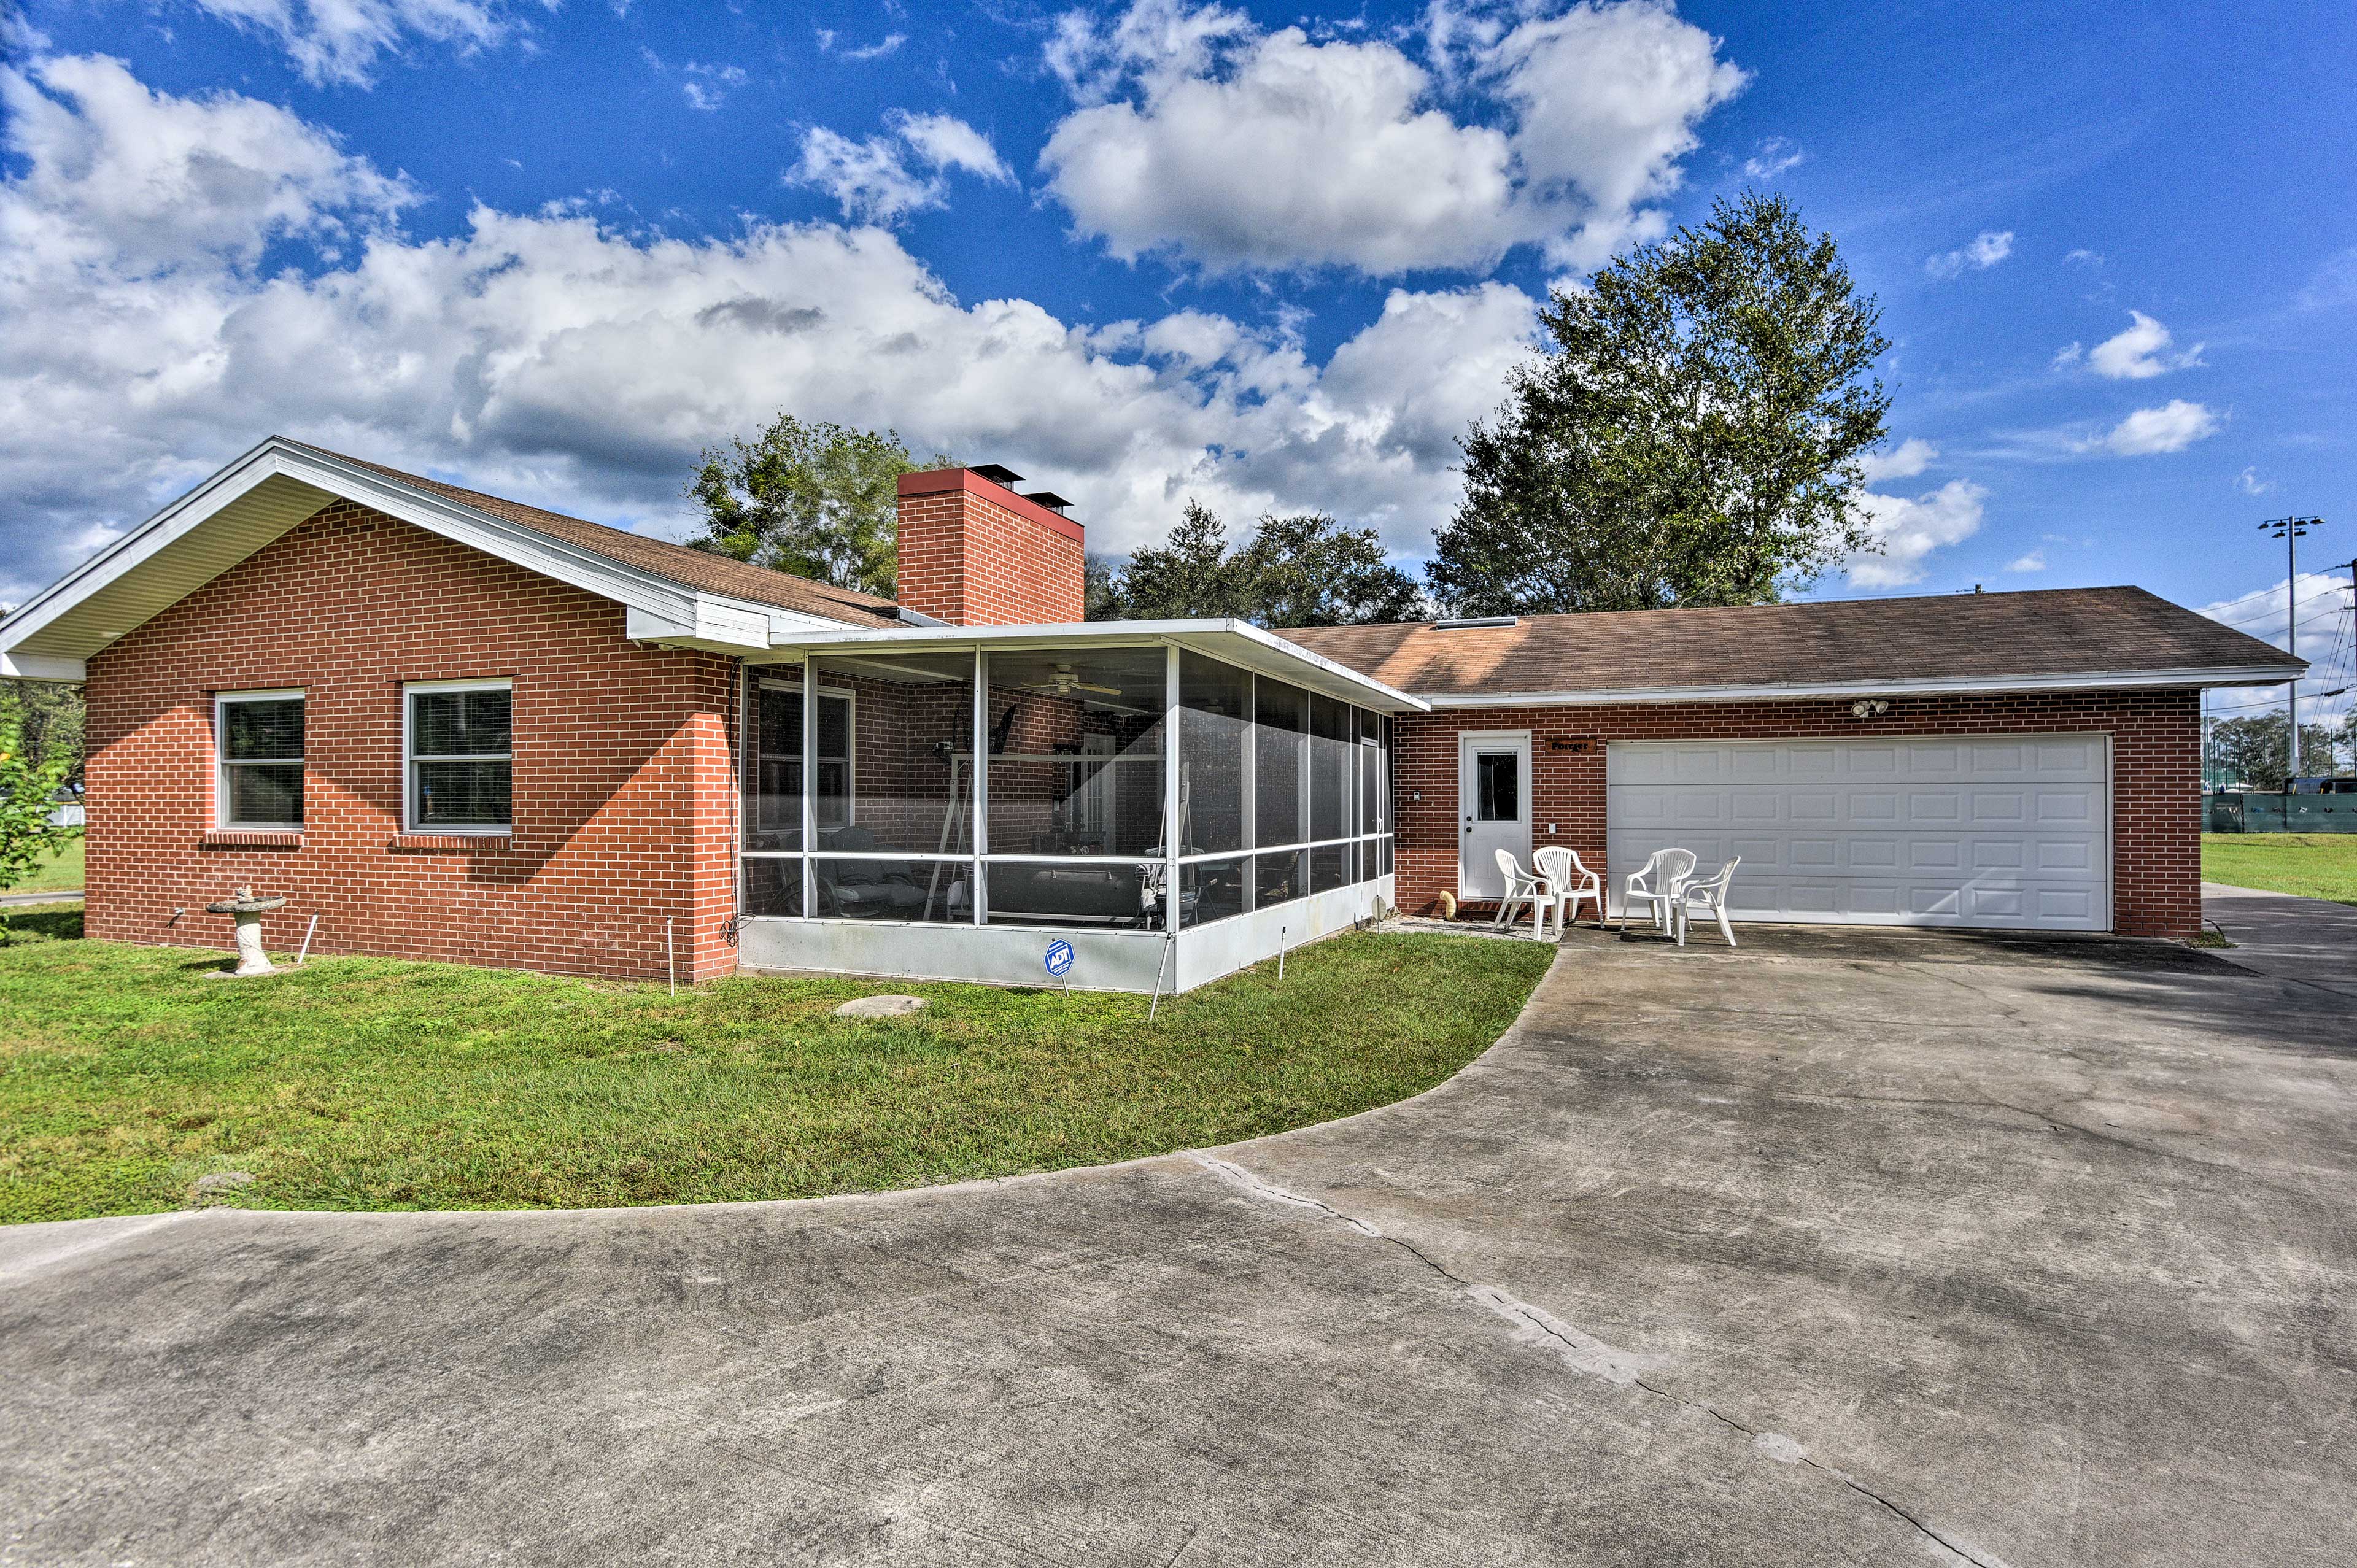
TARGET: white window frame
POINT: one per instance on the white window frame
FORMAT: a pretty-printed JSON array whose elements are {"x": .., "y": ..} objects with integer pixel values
[
  {"x": 849, "y": 698},
  {"x": 221, "y": 762},
  {"x": 409, "y": 758}
]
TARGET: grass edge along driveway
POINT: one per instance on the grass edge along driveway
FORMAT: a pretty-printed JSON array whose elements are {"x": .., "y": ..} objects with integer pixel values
[
  {"x": 2311, "y": 865},
  {"x": 361, "y": 1083}
]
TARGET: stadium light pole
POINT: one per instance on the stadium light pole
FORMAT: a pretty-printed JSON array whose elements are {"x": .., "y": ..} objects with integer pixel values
[{"x": 2290, "y": 530}]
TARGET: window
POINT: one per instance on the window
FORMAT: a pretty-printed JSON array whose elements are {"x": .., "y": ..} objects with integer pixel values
[
  {"x": 837, "y": 801},
  {"x": 259, "y": 738},
  {"x": 777, "y": 804},
  {"x": 459, "y": 760},
  {"x": 1497, "y": 782}
]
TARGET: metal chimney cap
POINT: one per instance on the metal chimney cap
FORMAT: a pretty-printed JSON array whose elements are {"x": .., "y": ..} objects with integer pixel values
[{"x": 997, "y": 473}]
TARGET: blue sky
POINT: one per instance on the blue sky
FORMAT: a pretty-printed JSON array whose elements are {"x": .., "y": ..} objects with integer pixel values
[{"x": 1265, "y": 256}]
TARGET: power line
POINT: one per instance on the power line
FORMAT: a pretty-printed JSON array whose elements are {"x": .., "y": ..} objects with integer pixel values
[{"x": 2329, "y": 587}]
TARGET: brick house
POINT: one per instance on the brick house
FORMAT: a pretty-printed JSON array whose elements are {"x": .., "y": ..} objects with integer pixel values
[{"x": 454, "y": 727}]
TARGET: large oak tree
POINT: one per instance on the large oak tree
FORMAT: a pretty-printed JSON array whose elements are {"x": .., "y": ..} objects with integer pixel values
[
  {"x": 820, "y": 501},
  {"x": 1689, "y": 435}
]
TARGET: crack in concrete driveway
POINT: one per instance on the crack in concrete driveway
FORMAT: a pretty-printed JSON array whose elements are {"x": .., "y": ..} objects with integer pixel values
[{"x": 1704, "y": 1231}]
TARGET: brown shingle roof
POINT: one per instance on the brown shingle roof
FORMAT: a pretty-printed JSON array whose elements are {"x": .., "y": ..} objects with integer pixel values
[
  {"x": 674, "y": 563},
  {"x": 2058, "y": 631}
]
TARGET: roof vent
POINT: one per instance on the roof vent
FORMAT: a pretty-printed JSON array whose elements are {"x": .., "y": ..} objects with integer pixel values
[
  {"x": 1049, "y": 499},
  {"x": 997, "y": 473},
  {"x": 1469, "y": 622}
]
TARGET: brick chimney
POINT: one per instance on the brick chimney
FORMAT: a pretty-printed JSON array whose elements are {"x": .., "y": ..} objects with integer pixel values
[{"x": 974, "y": 552}]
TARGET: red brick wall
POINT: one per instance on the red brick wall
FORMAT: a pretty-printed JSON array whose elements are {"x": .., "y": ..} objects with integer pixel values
[
  {"x": 624, "y": 796},
  {"x": 2156, "y": 778},
  {"x": 975, "y": 553}
]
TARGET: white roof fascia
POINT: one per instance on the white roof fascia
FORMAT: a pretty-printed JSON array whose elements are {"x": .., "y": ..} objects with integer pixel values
[
  {"x": 42, "y": 667},
  {"x": 721, "y": 625},
  {"x": 124, "y": 553},
  {"x": 2260, "y": 675},
  {"x": 1232, "y": 641},
  {"x": 696, "y": 615}
]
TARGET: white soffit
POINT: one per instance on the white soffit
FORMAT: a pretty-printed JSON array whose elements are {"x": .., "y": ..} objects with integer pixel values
[
  {"x": 156, "y": 566},
  {"x": 1231, "y": 641},
  {"x": 277, "y": 484}
]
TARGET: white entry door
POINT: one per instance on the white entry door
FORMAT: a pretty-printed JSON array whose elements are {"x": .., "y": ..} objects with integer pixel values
[
  {"x": 2009, "y": 831},
  {"x": 1493, "y": 801}
]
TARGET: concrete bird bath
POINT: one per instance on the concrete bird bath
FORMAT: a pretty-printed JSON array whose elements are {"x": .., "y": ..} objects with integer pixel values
[{"x": 249, "y": 910}]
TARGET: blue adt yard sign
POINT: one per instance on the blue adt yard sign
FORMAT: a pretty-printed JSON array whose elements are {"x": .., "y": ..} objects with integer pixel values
[{"x": 1059, "y": 958}]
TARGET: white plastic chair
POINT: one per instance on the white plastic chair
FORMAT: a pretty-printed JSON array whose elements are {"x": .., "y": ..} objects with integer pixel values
[
  {"x": 1657, "y": 886},
  {"x": 1520, "y": 887},
  {"x": 1568, "y": 882},
  {"x": 1709, "y": 896}
]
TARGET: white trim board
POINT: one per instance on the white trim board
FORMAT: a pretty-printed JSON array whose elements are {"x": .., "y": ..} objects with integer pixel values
[
  {"x": 1235, "y": 642},
  {"x": 1959, "y": 685},
  {"x": 279, "y": 484}
]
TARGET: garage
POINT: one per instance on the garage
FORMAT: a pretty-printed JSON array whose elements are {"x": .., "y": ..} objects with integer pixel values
[{"x": 2005, "y": 832}]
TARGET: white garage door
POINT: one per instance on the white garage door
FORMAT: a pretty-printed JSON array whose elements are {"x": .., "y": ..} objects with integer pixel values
[{"x": 2004, "y": 830}]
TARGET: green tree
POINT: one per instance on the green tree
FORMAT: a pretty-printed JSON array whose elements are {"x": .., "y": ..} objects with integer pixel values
[
  {"x": 2251, "y": 750},
  {"x": 49, "y": 718},
  {"x": 1098, "y": 576},
  {"x": 27, "y": 794},
  {"x": 819, "y": 501},
  {"x": 1300, "y": 570},
  {"x": 1689, "y": 434}
]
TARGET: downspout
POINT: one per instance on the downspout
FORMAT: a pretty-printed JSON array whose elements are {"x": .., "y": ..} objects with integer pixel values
[{"x": 736, "y": 799}]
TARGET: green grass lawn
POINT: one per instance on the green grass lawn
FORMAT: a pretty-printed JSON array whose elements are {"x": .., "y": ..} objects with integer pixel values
[
  {"x": 2314, "y": 865},
  {"x": 368, "y": 1083},
  {"x": 61, "y": 873}
]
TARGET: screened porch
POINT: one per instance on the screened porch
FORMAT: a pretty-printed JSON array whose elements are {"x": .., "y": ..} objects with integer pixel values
[{"x": 952, "y": 802}]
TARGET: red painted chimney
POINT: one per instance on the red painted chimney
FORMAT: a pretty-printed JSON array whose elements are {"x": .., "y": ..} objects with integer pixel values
[{"x": 974, "y": 553}]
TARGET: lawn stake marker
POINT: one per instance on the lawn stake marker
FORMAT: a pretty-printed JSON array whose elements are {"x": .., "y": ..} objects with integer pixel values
[
  {"x": 1060, "y": 963},
  {"x": 1167, "y": 942},
  {"x": 304, "y": 950}
]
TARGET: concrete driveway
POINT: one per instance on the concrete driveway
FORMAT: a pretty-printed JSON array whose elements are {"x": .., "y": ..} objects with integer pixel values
[
  {"x": 2308, "y": 940},
  {"x": 1842, "y": 1248}
]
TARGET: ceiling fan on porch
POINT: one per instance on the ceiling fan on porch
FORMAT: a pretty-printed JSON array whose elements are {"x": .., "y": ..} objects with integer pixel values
[{"x": 1067, "y": 680}]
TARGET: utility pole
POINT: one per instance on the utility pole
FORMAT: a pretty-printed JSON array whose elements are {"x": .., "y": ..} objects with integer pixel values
[{"x": 2290, "y": 530}]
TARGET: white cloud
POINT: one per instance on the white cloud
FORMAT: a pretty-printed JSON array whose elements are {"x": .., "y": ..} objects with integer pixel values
[
  {"x": 554, "y": 358},
  {"x": 1904, "y": 461},
  {"x": 1197, "y": 135},
  {"x": 707, "y": 87},
  {"x": 2068, "y": 356},
  {"x": 2172, "y": 427},
  {"x": 341, "y": 41},
  {"x": 2084, "y": 258},
  {"x": 904, "y": 170},
  {"x": 2263, "y": 614},
  {"x": 1773, "y": 157},
  {"x": 878, "y": 50},
  {"x": 2333, "y": 284},
  {"x": 215, "y": 177},
  {"x": 1909, "y": 530},
  {"x": 2135, "y": 353},
  {"x": 2033, "y": 562},
  {"x": 1986, "y": 250},
  {"x": 2253, "y": 485}
]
